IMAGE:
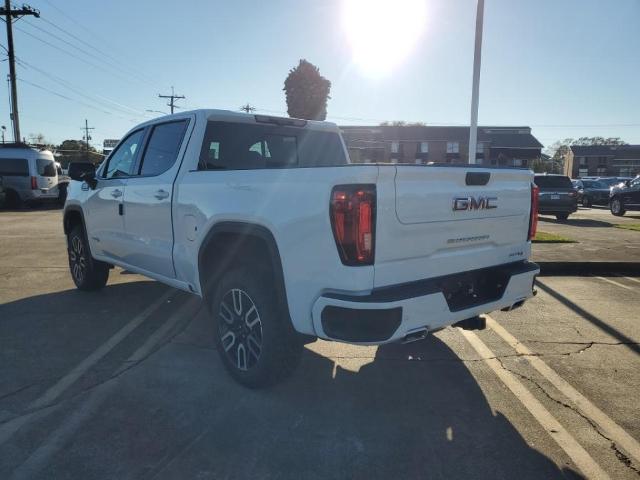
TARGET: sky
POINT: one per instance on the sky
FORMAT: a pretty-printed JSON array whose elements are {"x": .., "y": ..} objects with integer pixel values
[{"x": 567, "y": 68}]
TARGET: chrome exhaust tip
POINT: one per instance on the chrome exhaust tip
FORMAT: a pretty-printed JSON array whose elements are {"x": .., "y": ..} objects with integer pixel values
[{"x": 414, "y": 336}]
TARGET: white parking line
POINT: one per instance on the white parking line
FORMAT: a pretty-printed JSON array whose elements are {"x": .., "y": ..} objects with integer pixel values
[
  {"x": 549, "y": 423},
  {"x": 636, "y": 280},
  {"x": 617, "y": 284},
  {"x": 610, "y": 428},
  {"x": 54, "y": 392},
  {"x": 59, "y": 438}
]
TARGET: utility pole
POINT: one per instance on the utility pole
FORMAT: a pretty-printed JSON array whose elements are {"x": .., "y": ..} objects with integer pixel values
[
  {"x": 173, "y": 97},
  {"x": 247, "y": 108},
  {"x": 9, "y": 14},
  {"x": 475, "y": 89},
  {"x": 87, "y": 137}
]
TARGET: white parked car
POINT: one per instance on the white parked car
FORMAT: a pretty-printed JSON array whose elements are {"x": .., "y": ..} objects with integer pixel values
[{"x": 286, "y": 241}]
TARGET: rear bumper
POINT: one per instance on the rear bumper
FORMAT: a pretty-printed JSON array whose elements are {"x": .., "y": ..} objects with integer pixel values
[
  {"x": 552, "y": 209},
  {"x": 391, "y": 313}
]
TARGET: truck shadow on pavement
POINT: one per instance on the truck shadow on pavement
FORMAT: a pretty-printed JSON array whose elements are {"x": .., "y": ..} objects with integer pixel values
[
  {"x": 408, "y": 411},
  {"x": 412, "y": 411}
]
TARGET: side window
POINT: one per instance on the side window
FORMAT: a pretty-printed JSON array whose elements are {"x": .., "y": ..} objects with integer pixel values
[
  {"x": 163, "y": 147},
  {"x": 121, "y": 160},
  {"x": 46, "y": 168},
  {"x": 14, "y": 167}
]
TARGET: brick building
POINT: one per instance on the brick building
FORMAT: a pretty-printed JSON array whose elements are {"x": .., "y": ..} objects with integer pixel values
[
  {"x": 603, "y": 161},
  {"x": 507, "y": 146}
]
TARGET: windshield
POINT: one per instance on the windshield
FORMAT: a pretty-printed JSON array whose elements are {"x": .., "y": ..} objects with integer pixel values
[
  {"x": 553, "y": 181},
  {"x": 595, "y": 184}
]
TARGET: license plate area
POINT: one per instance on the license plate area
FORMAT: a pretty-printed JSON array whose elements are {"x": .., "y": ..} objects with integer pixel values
[
  {"x": 469, "y": 289},
  {"x": 555, "y": 196}
]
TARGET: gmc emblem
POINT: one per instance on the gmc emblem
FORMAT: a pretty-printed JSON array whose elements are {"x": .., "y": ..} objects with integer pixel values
[{"x": 473, "y": 203}]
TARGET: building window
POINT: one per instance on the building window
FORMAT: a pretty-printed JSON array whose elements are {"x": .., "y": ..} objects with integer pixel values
[
  {"x": 418, "y": 161},
  {"x": 480, "y": 147},
  {"x": 424, "y": 147},
  {"x": 583, "y": 172},
  {"x": 395, "y": 147},
  {"x": 394, "y": 160},
  {"x": 517, "y": 162},
  {"x": 453, "y": 147},
  {"x": 602, "y": 171},
  {"x": 583, "y": 161}
]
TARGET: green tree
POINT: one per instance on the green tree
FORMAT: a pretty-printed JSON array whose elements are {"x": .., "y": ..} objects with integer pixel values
[
  {"x": 76, "y": 151},
  {"x": 559, "y": 150},
  {"x": 307, "y": 92},
  {"x": 402, "y": 123}
]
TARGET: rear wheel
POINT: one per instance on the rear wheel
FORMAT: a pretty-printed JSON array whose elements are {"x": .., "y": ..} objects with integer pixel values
[
  {"x": 254, "y": 337},
  {"x": 617, "y": 207},
  {"x": 586, "y": 202},
  {"x": 88, "y": 274},
  {"x": 562, "y": 216}
]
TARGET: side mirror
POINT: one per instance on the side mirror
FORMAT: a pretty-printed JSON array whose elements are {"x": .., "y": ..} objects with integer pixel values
[{"x": 90, "y": 179}]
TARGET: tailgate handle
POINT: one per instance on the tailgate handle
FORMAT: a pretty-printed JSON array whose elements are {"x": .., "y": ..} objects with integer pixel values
[{"x": 477, "y": 178}]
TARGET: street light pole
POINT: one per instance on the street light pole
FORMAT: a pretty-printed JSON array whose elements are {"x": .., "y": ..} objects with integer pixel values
[{"x": 475, "y": 89}]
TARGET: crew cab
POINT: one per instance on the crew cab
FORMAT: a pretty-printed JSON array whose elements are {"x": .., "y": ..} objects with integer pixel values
[{"x": 267, "y": 220}]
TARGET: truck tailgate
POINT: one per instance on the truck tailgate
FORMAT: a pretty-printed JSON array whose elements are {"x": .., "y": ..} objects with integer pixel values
[{"x": 442, "y": 220}]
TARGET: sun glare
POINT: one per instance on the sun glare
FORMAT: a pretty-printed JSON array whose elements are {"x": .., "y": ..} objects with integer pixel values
[{"x": 382, "y": 33}]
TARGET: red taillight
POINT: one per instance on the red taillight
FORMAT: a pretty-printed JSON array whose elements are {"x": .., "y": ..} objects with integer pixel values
[
  {"x": 353, "y": 219},
  {"x": 573, "y": 193},
  {"x": 533, "y": 218},
  {"x": 34, "y": 183}
]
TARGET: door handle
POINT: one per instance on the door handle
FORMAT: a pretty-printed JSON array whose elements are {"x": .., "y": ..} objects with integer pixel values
[
  {"x": 161, "y": 194},
  {"x": 116, "y": 193}
]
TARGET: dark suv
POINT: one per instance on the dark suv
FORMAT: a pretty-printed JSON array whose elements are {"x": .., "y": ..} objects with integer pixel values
[
  {"x": 557, "y": 196},
  {"x": 625, "y": 197}
]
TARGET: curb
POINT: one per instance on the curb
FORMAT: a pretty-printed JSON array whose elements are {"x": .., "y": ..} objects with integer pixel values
[{"x": 588, "y": 268}]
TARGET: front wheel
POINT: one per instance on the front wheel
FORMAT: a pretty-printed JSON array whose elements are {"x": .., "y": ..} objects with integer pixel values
[
  {"x": 88, "y": 274},
  {"x": 254, "y": 337},
  {"x": 617, "y": 207},
  {"x": 562, "y": 216}
]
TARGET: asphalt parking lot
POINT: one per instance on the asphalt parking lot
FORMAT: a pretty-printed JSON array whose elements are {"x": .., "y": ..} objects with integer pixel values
[{"x": 125, "y": 383}]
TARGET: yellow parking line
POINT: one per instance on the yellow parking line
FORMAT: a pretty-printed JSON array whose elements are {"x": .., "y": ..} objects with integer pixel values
[{"x": 547, "y": 421}]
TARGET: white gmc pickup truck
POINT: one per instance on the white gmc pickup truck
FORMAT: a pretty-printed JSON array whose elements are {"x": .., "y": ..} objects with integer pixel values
[{"x": 286, "y": 241}]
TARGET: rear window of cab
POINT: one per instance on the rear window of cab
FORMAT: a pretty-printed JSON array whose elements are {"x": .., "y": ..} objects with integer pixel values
[{"x": 245, "y": 146}]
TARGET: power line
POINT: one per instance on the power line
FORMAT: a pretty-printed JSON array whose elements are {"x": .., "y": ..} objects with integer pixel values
[
  {"x": 89, "y": 54},
  {"x": 106, "y": 102},
  {"x": 71, "y": 54},
  {"x": 114, "y": 60},
  {"x": 92, "y": 33},
  {"x": 57, "y": 94}
]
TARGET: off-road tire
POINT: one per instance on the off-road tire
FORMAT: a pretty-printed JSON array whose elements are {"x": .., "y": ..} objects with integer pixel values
[
  {"x": 87, "y": 273},
  {"x": 254, "y": 336}
]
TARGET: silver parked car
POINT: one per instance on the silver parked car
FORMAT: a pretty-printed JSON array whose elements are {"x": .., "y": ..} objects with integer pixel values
[{"x": 29, "y": 175}]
